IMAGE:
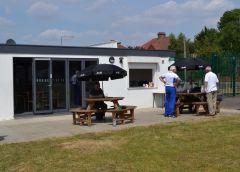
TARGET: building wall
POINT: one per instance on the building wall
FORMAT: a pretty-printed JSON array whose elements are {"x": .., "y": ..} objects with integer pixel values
[
  {"x": 6, "y": 87},
  {"x": 141, "y": 97},
  {"x": 6, "y": 81},
  {"x": 112, "y": 44}
]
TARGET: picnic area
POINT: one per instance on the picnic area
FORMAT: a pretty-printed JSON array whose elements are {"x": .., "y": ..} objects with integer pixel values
[{"x": 151, "y": 143}]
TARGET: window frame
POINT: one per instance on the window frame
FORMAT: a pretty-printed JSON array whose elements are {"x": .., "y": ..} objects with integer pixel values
[{"x": 151, "y": 66}]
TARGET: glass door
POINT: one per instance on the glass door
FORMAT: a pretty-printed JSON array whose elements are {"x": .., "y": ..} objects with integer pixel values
[
  {"x": 22, "y": 68},
  {"x": 59, "y": 84},
  {"x": 89, "y": 84},
  {"x": 75, "y": 86},
  {"x": 42, "y": 86}
]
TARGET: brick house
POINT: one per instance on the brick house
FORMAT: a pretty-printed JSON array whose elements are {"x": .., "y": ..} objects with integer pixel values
[{"x": 160, "y": 43}]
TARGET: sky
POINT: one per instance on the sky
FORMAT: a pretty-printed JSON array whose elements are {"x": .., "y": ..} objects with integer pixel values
[{"x": 88, "y": 22}]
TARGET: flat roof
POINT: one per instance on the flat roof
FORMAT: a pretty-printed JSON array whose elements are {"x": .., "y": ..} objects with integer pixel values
[{"x": 74, "y": 50}]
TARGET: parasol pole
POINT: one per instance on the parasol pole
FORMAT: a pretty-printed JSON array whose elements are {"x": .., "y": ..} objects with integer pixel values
[
  {"x": 102, "y": 85},
  {"x": 185, "y": 56}
]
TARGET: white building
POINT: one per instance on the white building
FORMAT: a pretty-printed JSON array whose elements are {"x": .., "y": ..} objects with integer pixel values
[
  {"x": 37, "y": 79},
  {"x": 110, "y": 44}
]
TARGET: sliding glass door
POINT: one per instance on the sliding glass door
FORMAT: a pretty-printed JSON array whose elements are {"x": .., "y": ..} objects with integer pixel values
[
  {"x": 75, "y": 86},
  {"x": 46, "y": 85},
  {"x": 78, "y": 90},
  {"x": 42, "y": 86},
  {"x": 59, "y": 84}
]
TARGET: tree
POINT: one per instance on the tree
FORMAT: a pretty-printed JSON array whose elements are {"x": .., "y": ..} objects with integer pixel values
[
  {"x": 207, "y": 42},
  {"x": 229, "y": 27},
  {"x": 177, "y": 44}
]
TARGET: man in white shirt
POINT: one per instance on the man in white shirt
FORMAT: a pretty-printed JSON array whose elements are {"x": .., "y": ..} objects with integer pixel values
[
  {"x": 210, "y": 85},
  {"x": 171, "y": 80}
]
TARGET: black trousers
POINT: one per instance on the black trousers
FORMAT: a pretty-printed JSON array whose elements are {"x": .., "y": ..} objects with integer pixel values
[{"x": 100, "y": 105}]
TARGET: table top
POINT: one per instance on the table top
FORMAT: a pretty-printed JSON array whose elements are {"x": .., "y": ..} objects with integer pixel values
[
  {"x": 104, "y": 99},
  {"x": 159, "y": 92},
  {"x": 190, "y": 94}
]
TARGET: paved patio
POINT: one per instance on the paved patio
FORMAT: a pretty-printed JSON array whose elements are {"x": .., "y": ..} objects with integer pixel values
[{"x": 60, "y": 125}]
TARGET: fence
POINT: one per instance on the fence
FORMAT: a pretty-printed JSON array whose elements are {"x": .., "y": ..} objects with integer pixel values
[{"x": 227, "y": 68}]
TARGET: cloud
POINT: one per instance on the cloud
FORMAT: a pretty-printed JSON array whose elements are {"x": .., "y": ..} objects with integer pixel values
[
  {"x": 94, "y": 21},
  {"x": 143, "y": 34},
  {"x": 63, "y": 1},
  {"x": 58, "y": 33},
  {"x": 84, "y": 38},
  {"x": 98, "y": 4},
  {"x": 161, "y": 9},
  {"x": 211, "y": 21},
  {"x": 4, "y": 22},
  {"x": 219, "y": 4},
  {"x": 207, "y": 5},
  {"x": 43, "y": 10},
  {"x": 173, "y": 13}
]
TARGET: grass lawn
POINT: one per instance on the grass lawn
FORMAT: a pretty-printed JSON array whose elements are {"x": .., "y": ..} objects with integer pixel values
[{"x": 204, "y": 145}]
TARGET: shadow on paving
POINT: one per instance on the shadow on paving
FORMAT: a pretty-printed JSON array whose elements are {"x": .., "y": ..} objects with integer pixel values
[{"x": 2, "y": 137}]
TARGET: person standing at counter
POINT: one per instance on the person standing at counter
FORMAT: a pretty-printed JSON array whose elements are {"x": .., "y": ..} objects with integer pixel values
[
  {"x": 170, "y": 80},
  {"x": 210, "y": 85}
]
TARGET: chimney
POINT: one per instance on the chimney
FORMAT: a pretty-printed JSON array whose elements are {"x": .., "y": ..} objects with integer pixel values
[{"x": 161, "y": 35}]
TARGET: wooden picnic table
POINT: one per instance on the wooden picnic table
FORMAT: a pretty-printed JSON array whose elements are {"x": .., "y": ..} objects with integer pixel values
[
  {"x": 186, "y": 98},
  {"x": 193, "y": 94},
  {"x": 114, "y": 100},
  {"x": 119, "y": 113},
  {"x": 192, "y": 100}
]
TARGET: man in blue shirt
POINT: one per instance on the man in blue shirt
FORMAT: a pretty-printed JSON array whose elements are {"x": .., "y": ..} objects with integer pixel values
[{"x": 170, "y": 80}]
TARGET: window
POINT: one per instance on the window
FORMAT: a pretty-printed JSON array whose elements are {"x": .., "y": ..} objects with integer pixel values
[
  {"x": 140, "y": 77},
  {"x": 142, "y": 74}
]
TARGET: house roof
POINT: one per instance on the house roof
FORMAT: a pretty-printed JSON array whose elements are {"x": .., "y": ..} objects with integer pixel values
[
  {"x": 160, "y": 43},
  {"x": 120, "y": 46},
  {"x": 72, "y": 50}
]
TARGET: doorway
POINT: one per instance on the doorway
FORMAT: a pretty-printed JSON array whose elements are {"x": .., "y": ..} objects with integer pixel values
[
  {"x": 50, "y": 86},
  {"x": 46, "y": 85},
  {"x": 75, "y": 86},
  {"x": 59, "y": 84},
  {"x": 42, "y": 86},
  {"x": 22, "y": 74},
  {"x": 89, "y": 84}
]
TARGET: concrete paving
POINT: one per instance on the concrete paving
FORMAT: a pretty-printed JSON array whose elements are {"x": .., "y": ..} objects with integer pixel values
[
  {"x": 59, "y": 125},
  {"x": 231, "y": 102}
]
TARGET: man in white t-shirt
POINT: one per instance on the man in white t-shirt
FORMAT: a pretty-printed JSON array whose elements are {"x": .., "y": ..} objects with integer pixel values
[
  {"x": 171, "y": 80},
  {"x": 210, "y": 85}
]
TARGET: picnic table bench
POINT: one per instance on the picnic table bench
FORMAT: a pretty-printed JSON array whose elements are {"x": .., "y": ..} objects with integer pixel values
[
  {"x": 122, "y": 114},
  {"x": 179, "y": 106},
  {"x": 82, "y": 116},
  {"x": 204, "y": 105}
]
